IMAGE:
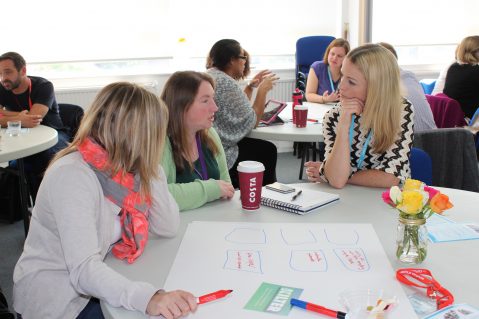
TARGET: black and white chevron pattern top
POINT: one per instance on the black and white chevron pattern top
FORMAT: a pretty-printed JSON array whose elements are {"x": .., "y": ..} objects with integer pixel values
[{"x": 394, "y": 161}]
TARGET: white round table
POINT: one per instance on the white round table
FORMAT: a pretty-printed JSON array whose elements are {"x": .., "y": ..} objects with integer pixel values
[
  {"x": 29, "y": 142},
  {"x": 313, "y": 132},
  {"x": 453, "y": 264}
]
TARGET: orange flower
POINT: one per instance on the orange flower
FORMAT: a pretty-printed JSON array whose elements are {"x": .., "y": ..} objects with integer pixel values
[{"x": 440, "y": 203}]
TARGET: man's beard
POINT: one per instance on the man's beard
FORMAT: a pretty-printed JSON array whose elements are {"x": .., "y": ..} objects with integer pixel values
[{"x": 13, "y": 85}]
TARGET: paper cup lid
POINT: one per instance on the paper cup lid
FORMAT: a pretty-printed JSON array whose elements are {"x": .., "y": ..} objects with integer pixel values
[
  {"x": 301, "y": 107},
  {"x": 250, "y": 167}
]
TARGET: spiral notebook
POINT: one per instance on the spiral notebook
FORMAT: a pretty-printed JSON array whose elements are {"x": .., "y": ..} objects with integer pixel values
[{"x": 308, "y": 201}]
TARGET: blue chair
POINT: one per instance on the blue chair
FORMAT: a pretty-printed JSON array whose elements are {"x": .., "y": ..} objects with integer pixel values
[
  {"x": 474, "y": 117},
  {"x": 310, "y": 49},
  {"x": 421, "y": 165},
  {"x": 475, "y": 122},
  {"x": 428, "y": 85}
]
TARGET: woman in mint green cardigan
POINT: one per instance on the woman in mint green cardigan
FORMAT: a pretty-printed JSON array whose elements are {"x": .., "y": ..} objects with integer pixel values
[{"x": 193, "y": 160}]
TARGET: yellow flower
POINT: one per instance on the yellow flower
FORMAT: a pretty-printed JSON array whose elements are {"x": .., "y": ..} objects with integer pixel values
[
  {"x": 412, "y": 184},
  {"x": 412, "y": 202}
]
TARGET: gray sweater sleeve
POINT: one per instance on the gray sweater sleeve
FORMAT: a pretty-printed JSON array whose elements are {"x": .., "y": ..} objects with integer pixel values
[
  {"x": 70, "y": 235},
  {"x": 235, "y": 117}
]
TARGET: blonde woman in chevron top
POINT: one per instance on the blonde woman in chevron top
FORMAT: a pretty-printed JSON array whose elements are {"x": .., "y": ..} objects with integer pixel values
[{"x": 368, "y": 135}]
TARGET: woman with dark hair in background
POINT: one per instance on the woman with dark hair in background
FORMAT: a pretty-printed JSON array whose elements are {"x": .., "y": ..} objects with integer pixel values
[
  {"x": 236, "y": 115},
  {"x": 194, "y": 160}
]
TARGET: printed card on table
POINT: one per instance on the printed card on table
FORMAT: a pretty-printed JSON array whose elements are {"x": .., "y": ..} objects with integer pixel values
[{"x": 271, "y": 298}]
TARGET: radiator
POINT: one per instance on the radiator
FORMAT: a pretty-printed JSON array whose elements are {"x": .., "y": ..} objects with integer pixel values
[
  {"x": 84, "y": 96},
  {"x": 283, "y": 90}
]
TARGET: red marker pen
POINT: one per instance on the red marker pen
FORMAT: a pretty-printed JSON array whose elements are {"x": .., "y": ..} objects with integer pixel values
[
  {"x": 313, "y": 120},
  {"x": 213, "y": 296}
]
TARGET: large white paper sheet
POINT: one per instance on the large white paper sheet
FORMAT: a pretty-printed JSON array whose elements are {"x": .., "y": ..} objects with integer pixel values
[{"x": 322, "y": 259}]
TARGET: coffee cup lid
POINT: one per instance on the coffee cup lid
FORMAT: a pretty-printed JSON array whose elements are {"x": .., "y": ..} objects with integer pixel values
[
  {"x": 250, "y": 167},
  {"x": 301, "y": 107}
]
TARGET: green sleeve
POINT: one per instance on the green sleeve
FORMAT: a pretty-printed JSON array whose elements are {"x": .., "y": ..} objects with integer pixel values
[
  {"x": 220, "y": 157},
  {"x": 189, "y": 195}
]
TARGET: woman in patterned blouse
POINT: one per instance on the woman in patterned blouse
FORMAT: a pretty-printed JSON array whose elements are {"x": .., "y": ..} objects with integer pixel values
[{"x": 368, "y": 135}]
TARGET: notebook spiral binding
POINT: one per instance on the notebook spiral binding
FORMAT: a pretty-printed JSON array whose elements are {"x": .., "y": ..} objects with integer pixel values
[{"x": 280, "y": 205}]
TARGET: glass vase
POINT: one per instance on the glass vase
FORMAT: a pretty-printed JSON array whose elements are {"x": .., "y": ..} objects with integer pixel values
[{"x": 411, "y": 240}]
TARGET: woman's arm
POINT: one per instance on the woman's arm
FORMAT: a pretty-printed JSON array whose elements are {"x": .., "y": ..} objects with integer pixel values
[
  {"x": 197, "y": 193},
  {"x": 255, "y": 82},
  {"x": 260, "y": 100},
  {"x": 76, "y": 200},
  {"x": 312, "y": 85},
  {"x": 374, "y": 178},
  {"x": 337, "y": 167},
  {"x": 164, "y": 218},
  {"x": 220, "y": 157}
]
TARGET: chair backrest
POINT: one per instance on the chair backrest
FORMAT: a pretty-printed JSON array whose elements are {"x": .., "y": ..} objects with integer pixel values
[
  {"x": 428, "y": 85},
  {"x": 447, "y": 112},
  {"x": 71, "y": 116},
  {"x": 453, "y": 155},
  {"x": 475, "y": 118},
  {"x": 474, "y": 126},
  {"x": 310, "y": 49},
  {"x": 421, "y": 165}
]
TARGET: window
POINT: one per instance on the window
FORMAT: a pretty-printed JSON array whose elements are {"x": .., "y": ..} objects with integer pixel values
[
  {"x": 58, "y": 30},
  {"x": 424, "y": 32}
]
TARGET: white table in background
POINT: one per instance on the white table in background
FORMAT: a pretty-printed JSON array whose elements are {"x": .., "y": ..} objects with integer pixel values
[
  {"x": 453, "y": 264},
  {"x": 313, "y": 132},
  {"x": 33, "y": 141}
]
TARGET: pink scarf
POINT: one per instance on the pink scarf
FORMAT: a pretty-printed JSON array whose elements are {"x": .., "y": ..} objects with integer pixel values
[{"x": 122, "y": 191}]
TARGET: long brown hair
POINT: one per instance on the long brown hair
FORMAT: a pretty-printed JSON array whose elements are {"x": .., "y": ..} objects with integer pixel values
[
  {"x": 179, "y": 94},
  {"x": 129, "y": 122}
]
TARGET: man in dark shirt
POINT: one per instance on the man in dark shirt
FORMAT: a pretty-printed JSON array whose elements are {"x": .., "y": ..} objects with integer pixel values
[{"x": 30, "y": 100}]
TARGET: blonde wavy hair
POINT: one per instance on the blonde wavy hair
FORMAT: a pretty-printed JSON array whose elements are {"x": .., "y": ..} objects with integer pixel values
[
  {"x": 383, "y": 106},
  {"x": 130, "y": 123},
  {"x": 468, "y": 50}
]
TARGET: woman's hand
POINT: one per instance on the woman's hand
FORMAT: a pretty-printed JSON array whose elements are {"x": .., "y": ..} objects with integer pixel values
[
  {"x": 227, "y": 190},
  {"x": 258, "y": 78},
  {"x": 333, "y": 97},
  {"x": 348, "y": 108},
  {"x": 171, "y": 305},
  {"x": 268, "y": 82},
  {"x": 312, "y": 171}
]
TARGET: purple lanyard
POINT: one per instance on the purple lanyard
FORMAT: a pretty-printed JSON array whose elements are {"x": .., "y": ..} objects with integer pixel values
[{"x": 201, "y": 156}]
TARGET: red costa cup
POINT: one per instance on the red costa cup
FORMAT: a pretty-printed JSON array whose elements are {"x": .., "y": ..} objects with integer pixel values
[
  {"x": 250, "y": 175},
  {"x": 301, "y": 112}
]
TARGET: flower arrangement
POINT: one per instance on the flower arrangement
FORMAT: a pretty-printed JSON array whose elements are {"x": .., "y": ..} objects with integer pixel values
[{"x": 415, "y": 202}]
